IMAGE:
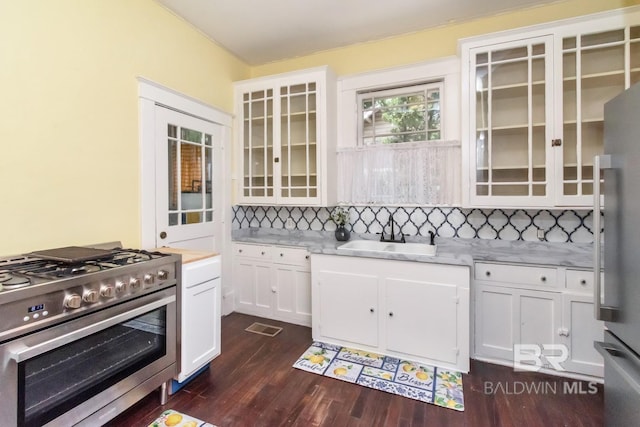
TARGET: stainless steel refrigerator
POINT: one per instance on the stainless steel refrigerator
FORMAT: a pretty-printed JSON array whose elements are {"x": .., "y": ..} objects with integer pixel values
[{"x": 618, "y": 304}]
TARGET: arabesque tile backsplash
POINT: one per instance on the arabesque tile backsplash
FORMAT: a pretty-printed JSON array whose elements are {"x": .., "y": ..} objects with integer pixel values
[{"x": 505, "y": 224}]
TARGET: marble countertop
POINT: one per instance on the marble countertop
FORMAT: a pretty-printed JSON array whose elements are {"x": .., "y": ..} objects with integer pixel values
[{"x": 449, "y": 250}]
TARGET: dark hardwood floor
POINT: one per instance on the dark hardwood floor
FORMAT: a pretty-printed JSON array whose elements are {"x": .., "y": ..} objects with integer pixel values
[{"x": 252, "y": 383}]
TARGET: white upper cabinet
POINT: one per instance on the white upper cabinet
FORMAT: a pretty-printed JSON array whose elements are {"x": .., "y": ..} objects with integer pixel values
[
  {"x": 535, "y": 119},
  {"x": 285, "y": 139}
]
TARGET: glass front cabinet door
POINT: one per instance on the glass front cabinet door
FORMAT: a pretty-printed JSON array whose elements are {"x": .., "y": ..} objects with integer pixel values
[
  {"x": 284, "y": 139},
  {"x": 536, "y": 100}
]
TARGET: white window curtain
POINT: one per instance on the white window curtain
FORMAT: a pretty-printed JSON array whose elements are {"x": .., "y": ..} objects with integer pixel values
[{"x": 422, "y": 173}]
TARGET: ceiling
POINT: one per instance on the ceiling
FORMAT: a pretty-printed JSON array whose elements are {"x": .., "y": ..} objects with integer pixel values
[{"x": 262, "y": 31}]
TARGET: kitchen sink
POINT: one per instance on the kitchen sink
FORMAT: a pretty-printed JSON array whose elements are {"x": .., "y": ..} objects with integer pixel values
[{"x": 389, "y": 247}]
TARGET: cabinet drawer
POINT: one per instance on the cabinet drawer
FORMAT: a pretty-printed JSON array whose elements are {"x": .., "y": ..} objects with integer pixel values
[
  {"x": 293, "y": 256},
  {"x": 195, "y": 273},
  {"x": 253, "y": 251},
  {"x": 516, "y": 274},
  {"x": 581, "y": 280}
]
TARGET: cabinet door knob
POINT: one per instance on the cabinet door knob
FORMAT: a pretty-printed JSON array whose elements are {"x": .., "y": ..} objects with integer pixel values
[
  {"x": 391, "y": 314},
  {"x": 583, "y": 282},
  {"x": 306, "y": 257},
  {"x": 281, "y": 254},
  {"x": 239, "y": 251},
  {"x": 273, "y": 289},
  {"x": 371, "y": 310}
]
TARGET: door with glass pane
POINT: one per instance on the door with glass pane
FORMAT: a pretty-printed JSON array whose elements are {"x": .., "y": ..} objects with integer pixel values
[
  {"x": 298, "y": 143},
  {"x": 511, "y": 122},
  {"x": 257, "y": 145},
  {"x": 188, "y": 173},
  {"x": 281, "y": 129},
  {"x": 595, "y": 68}
]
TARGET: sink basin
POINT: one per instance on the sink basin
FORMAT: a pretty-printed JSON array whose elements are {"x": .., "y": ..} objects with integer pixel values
[{"x": 389, "y": 247}]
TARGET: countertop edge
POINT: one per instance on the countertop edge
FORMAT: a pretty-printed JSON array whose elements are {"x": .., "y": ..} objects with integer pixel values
[{"x": 450, "y": 250}]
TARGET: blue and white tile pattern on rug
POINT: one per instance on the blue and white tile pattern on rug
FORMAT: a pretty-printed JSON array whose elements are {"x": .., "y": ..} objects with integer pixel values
[
  {"x": 504, "y": 224},
  {"x": 401, "y": 377}
]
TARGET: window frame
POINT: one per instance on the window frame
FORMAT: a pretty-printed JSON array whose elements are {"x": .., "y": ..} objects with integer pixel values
[
  {"x": 445, "y": 69},
  {"x": 406, "y": 89}
]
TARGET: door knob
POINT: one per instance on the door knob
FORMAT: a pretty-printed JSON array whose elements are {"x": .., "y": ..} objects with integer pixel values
[{"x": 163, "y": 235}]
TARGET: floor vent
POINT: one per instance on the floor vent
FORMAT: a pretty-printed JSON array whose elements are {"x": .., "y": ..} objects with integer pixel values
[{"x": 262, "y": 329}]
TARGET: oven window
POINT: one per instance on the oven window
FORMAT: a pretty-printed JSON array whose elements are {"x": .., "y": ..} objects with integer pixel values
[{"x": 57, "y": 381}]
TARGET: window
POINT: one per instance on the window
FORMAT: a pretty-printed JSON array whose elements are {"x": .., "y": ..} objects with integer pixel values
[
  {"x": 401, "y": 145},
  {"x": 405, "y": 114}
]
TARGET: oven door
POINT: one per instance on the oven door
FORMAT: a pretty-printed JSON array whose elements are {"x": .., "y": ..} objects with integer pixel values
[{"x": 77, "y": 370}]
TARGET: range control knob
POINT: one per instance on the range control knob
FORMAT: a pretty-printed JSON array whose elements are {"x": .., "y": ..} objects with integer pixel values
[
  {"x": 107, "y": 291},
  {"x": 134, "y": 284},
  {"x": 90, "y": 296},
  {"x": 149, "y": 279},
  {"x": 121, "y": 287},
  {"x": 72, "y": 301},
  {"x": 163, "y": 275}
]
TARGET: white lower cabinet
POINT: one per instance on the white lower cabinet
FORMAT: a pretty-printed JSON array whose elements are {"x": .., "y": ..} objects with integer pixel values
[
  {"x": 349, "y": 313},
  {"x": 272, "y": 282},
  {"x": 410, "y": 310},
  {"x": 253, "y": 287},
  {"x": 509, "y": 316},
  {"x": 578, "y": 312},
  {"x": 292, "y": 293},
  {"x": 553, "y": 317},
  {"x": 200, "y": 312},
  {"x": 420, "y": 313}
]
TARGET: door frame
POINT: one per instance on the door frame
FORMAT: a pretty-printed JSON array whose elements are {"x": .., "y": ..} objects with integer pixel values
[{"x": 151, "y": 95}]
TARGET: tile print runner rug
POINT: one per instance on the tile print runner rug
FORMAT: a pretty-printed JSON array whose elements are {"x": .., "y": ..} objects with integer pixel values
[
  {"x": 402, "y": 377},
  {"x": 171, "y": 418}
]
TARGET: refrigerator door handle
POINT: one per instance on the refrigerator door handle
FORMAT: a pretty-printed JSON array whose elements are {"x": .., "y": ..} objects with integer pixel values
[
  {"x": 617, "y": 359},
  {"x": 601, "y": 312}
]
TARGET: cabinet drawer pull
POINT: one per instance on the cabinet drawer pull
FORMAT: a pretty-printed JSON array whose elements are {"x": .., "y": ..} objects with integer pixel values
[
  {"x": 239, "y": 251},
  {"x": 306, "y": 257},
  {"x": 391, "y": 314},
  {"x": 583, "y": 282},
  {"x": 371, "y": 310},
  {"x": 487, "y": 273},
  {"x": 543, "y": 278},
  {"x": 262, "y": 253},
  {"x": 281, "y": 254}
]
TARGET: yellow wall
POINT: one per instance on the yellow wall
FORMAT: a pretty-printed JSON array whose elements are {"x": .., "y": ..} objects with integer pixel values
[
  {"x": 434, "y": 43},
  {"x": 69, "y": 162}
]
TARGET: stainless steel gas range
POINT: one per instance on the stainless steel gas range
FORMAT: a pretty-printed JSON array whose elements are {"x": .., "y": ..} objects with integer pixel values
[{"x": 85, "y": 333}]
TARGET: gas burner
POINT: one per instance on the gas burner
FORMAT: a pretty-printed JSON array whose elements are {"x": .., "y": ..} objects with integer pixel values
[
  {"x": 65, "y": 270},
  {"x": 126, "y": 256},
  {"x": 81, "y": 269},
  {"x": 23, "y": 271},
  {"x": 10, "y": 281}
]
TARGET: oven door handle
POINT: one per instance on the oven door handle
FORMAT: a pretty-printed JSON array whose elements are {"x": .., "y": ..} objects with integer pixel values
[{"x": 25, "y": 352}]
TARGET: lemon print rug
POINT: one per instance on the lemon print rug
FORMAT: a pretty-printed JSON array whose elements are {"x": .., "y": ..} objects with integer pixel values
[
  {"x": 171, "y": 418},
  {"x": 402, "y": 377}
]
